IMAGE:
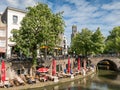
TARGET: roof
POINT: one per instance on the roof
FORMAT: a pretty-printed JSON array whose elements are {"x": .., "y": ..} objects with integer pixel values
[
  {"x": 4, "y": 15},
  {"x": 16, "y": 9}
]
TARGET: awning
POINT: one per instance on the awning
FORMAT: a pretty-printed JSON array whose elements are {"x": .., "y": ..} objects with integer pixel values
[
  {"x": 11, "y": 44},
  {"x": 44, "y": 47},
  {"x": 2, "y": 50}
]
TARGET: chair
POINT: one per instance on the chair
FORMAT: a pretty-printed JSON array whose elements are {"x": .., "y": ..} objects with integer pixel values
[
  {"x": 21, "y": 82},
  {"x": 1, "y": 85},
  {"x": 7, "y": 84},
  {"x": 53, "y": 78}
]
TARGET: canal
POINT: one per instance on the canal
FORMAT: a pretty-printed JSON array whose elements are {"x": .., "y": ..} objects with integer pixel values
[{"x": 102, "y": 80}]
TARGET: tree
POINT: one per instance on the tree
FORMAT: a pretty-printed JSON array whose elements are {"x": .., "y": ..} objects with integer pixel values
[
  {"x": 38, "y": 28},
  {"x": 113, "y": 41},
  {"x": 82, "y": 43},
  {"x": 75, "y": 44},
  {"x": 52, "y": 38},
  {"x": 87, "y": 42},
  {"x": 98, "y": 42}
]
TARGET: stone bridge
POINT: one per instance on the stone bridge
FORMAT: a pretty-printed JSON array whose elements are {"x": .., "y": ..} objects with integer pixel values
[{"x": 114, "y": 61}]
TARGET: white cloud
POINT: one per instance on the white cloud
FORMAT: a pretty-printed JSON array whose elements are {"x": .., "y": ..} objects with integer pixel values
[
  {"x": 20, "y": 3},
  {"x": 112, "y": 6},
  {"x": 14, "y": 3},
  {"x": 113, "y": 16},
  {"x": 86, "y": 15},
  {"x": 80, "y": 12},
  {"x": 78, "y": 2},
  {"x": 66, "y": 8},
  {"x": 27, "y": 3}
]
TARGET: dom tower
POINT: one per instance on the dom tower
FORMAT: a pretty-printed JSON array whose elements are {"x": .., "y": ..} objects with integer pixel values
[{"x": 74, "y": 31}]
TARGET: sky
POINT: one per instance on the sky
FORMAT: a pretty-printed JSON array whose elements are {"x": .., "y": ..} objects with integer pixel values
[{"x": 89, "y": 14}]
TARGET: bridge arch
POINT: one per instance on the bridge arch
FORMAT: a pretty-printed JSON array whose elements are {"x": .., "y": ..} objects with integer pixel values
[
  {"x": 114, "y": 61},
  {"x": 109, "y": 64}
]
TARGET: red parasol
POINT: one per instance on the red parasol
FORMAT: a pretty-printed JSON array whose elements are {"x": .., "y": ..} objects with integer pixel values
[
  {"x": 53, "y": 67},
  {"x": 85, "y": 64},
  {"x": 3, "y": 71},
  {"x": 78, "y": 64},
  {"x": 68, "y": 65},
  {"x": 43, "y": 70}
]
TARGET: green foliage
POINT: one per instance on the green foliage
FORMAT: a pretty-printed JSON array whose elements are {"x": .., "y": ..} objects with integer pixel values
[
  {"x": 39, "y": 27},
  {"x": 87, "y": 42},
  {"x": 98, "y": 42},
  {"x": 81, "y": 43},
  {"x": 113, "y": 41}
]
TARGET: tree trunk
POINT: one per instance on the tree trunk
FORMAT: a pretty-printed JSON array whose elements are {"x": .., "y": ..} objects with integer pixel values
[
  {"x": 86, "y": 53},
  {"x": 34, "y": 61},
  {"x": 32, "y": 71},
  {"x": 45, "y": 53}
]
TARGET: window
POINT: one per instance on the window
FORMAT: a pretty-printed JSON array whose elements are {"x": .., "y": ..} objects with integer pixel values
[
  {"x": 15, "y": 19},
  {"x": 2, "y": 33},
  {"x": 64, "y": 41},
  {"x": 64, "y": 47},
  {"x": 2, "y": 43}
]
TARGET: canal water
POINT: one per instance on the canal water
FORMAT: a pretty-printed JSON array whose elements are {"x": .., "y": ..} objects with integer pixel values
[{"x": 102, "y": 80}]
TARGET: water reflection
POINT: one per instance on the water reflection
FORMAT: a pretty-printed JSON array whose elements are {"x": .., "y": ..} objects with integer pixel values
[
  {"x": 103, "y": 80},
  {"x": 96, "y": 86},
  {"x": 108, "y": 74}
]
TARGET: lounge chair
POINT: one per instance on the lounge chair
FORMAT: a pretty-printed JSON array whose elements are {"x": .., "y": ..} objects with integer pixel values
[
  {"x": 53, "y": 78},
  {"x": 68, "y": 75},
  {"x": 56, "y": 79},
  {"x": 21, "y": 82},
  {"x": 43, "y": 78},
  {"x": 31, "y": 80},
  {"x": 59, "y": 75},
  {"x": 22, "y": 76},
  {"x": 1, "y": 85},
  {"x": 7, "y": 83}
]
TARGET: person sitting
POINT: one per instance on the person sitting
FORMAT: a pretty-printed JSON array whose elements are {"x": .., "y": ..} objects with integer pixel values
[
  {"x": 7, "y": 84},
  {"x": 31, "y": 80},
  {"x": 22, "y": 76}
]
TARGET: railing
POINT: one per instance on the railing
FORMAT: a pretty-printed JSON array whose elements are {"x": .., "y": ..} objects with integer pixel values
[{"x": 105, "y": 55}]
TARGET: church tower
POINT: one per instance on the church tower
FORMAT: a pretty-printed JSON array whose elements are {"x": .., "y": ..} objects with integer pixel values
[{"x": 74, "y": 31}]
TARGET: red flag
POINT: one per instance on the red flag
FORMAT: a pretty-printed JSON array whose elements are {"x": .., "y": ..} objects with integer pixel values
[
  {"x": 68, "y": 65},
  {"x": 3, "y": 71},
  {"x": 53, "y": 67},
  {"x": 78, "y": 64}
]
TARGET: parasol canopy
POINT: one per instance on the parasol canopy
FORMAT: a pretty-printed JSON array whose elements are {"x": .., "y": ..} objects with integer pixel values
[
  {"x": 3, "y": 71},
  {"x": 43, "y": 70},
  {"x": 78, "y": 64},
  {"x": 85, "y": 64},
  {"x": 68, "y": 65},
  {"x": 53, "y": 67}
]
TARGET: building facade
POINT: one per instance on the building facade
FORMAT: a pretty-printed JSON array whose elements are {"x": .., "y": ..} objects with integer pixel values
[
  {"x": 65, "y": 46},
  {"x": 2, "y": 38},
  {"x": 12, "y": 18}
]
